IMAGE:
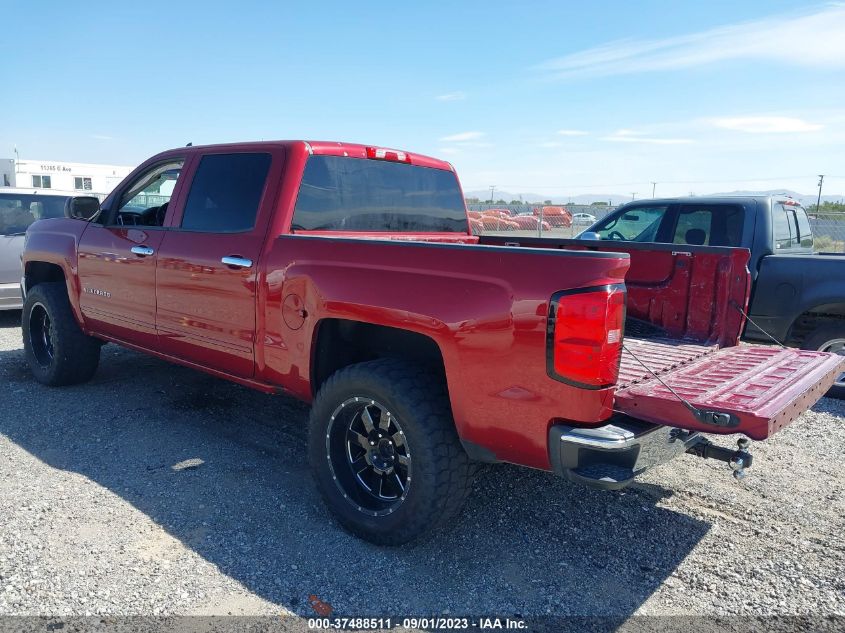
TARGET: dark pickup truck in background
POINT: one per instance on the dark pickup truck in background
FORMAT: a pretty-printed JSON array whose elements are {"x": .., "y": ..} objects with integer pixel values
[{"x": 797, "y": 295}]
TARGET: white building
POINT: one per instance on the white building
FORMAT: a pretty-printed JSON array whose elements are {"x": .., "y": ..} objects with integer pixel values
[{"x": 53, "y": 174}]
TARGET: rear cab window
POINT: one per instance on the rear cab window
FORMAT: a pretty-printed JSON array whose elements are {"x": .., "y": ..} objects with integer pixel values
[
  {"x": 340, "y": 193},
  {"x": 709, "y": 225},
  {"x": 791, "y": 226},
  {"x": 787, "y": 231}
]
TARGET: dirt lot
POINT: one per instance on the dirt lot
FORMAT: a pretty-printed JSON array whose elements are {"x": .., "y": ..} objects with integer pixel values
[{"x": 102, "y": 513}]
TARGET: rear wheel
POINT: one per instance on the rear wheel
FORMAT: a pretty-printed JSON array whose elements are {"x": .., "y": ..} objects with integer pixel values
[
  {"x": 831, "y": 339},
  {"x": 56, "y": 349},
  {"x": 384, "y": 451}
]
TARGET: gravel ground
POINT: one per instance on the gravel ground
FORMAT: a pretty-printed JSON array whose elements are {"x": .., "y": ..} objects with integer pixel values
[{"x": 158, "y": 490}]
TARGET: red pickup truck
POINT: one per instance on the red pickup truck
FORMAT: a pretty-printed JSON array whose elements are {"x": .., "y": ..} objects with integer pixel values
[{"x": 346, "y": 275}]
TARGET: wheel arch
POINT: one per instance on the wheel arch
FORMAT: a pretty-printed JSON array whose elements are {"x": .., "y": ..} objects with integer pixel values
[
  {"x": 339, "y": 343},
  {"x": 811, "y": 319}
]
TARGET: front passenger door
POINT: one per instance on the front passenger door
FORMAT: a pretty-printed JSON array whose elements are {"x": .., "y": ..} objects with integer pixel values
[{"x": 208, "y": 268}]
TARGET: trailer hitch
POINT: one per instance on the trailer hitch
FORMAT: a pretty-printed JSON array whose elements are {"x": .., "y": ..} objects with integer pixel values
[{"x": 738, "y": 460}]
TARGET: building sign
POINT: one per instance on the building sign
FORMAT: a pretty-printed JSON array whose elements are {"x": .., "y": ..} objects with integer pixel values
[{"x": 62, "y": 168}]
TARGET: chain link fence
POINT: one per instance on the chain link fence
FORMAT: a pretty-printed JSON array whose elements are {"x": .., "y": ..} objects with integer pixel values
[
  {"x": 536, "y": 220},
  {"x": 522, "y": 220},
  {"x": 828, "y": 232}
]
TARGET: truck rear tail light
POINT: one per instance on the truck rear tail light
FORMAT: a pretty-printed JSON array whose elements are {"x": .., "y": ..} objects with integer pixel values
[
  {"x": 381, "y": 153},
  {"x": 584, "y": 337}
]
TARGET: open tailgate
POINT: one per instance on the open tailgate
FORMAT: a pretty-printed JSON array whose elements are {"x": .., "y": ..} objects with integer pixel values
[{"x": 763, "y": 389}]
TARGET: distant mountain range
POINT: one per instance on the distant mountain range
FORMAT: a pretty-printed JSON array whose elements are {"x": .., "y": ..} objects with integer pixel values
[{"x": 616, "y": 199}]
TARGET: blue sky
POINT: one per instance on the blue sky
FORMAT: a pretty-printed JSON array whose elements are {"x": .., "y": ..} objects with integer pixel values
[{"x": 550, "y": 97}]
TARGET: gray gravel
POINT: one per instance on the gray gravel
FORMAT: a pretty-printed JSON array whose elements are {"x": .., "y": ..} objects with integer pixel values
[{"x": 158, "y": 490}]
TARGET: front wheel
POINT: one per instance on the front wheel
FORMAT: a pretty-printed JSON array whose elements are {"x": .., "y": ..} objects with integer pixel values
[
  {"x": 384, "y": 451},
  {"x": 57, "y": 350},
  {"x": 829, "y": 339}
]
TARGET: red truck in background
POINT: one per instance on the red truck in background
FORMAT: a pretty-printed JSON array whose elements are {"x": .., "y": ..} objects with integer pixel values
[{"x": 346, "y": 275}]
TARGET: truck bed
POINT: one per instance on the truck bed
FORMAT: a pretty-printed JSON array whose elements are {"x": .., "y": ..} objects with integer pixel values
[
  {"x": 685, "y": 313},
  {"x": 659, "y": 354}
]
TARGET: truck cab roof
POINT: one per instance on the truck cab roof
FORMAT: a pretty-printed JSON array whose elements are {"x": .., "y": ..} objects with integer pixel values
[{"x": 326, "y": 148}]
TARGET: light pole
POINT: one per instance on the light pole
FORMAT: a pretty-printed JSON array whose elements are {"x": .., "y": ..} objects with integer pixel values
[
  {"x": 819, "y": 201},
  {"x": 492, "y": 189},
  {"x": 653, "y": 188},
  {"x": 633, "y": 195}
]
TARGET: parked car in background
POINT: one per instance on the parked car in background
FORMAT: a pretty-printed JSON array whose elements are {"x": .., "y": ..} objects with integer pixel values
[
  {"x": 583, "y": 218},
  {"x": 797, "y": 295},
  {"x": 530, "y": 222},
  {"x": 19, "y": 208},
  {"x": 557, "y": 217}
]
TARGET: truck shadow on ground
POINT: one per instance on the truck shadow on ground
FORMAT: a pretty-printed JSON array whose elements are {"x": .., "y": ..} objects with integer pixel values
[{"x": 526, "y": 542}]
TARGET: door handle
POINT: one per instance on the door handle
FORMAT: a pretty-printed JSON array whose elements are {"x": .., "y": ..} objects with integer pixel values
[
  {"x": 233, "y": 261},
  {"x": 142, "y": 251}
]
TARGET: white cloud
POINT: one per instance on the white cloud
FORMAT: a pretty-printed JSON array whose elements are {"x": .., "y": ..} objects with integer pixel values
[
  {"x": 572, "y": 132},
  {"x": 462, "y": 137},
  {"x": 452, "y": 96},
  {"x": 102, "y": 137},
  {"x": 765, "y": 124},
  {"x": 630, "y": 136},
  {"x": 808, "y": 39}
]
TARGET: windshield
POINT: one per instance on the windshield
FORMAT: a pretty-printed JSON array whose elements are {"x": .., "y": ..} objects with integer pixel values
[
  {"x": 636, "y": 225},
  {"x": 19, "y": 210},
  {"x": 353, "y": 194}
]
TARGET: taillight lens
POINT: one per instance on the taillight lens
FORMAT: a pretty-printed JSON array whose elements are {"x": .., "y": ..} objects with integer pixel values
[{"x": 585, "y": 336}]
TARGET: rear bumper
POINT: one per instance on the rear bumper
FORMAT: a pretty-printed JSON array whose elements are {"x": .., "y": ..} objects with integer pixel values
[
  {"x": 10, "y": 296},
  {"x": 610, "y": 456}
]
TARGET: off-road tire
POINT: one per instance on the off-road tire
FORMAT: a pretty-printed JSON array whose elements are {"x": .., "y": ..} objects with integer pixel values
[
  {"x": 820, "y": 340},
  {"x": 442, "y": 471},
  {"x": 74, "y": 356}
]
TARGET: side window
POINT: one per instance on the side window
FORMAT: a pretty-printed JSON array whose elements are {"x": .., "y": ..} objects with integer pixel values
[
  {"x": 782, "y": 225},
  {"x": 226, "y": 192},
  {"x": 694, "y": 226},
  {"x": 145, "y": 202},
  {"x": 805, "y": 232},
  {"x": 639, "y": 224}
]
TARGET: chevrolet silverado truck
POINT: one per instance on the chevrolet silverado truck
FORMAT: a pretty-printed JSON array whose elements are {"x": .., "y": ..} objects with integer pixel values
[
  {"x": 346, "y": 275},
  {"x": 797, "y": 295}
]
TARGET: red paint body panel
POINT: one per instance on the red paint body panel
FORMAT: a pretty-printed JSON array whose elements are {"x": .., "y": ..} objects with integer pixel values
[
  {"x": 55, "y": 241},
  {"x": 485, "y": 308},
  {"x": 127, "y": 310},
  {"x": 482, "y": 301}
]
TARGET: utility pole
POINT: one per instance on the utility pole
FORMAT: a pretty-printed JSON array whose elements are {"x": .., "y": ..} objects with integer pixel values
[
  {"x": 633, "y": 195},
  {"x": 653, "y": 187},
  {"x": 492, "y": 189},
  {"x": 819, "y": 201}
]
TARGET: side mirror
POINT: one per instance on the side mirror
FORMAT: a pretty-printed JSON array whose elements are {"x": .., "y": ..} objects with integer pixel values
[
  {"x": 589, "y": 235},
  {"x": 82, "y": 207}
]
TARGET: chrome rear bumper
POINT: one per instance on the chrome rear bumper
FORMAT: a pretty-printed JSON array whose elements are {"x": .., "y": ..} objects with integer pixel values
[{"x": 610, "y": 456}]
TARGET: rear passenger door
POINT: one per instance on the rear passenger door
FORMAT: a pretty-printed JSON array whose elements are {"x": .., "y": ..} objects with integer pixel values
[{"x": 208, "y": 263}]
